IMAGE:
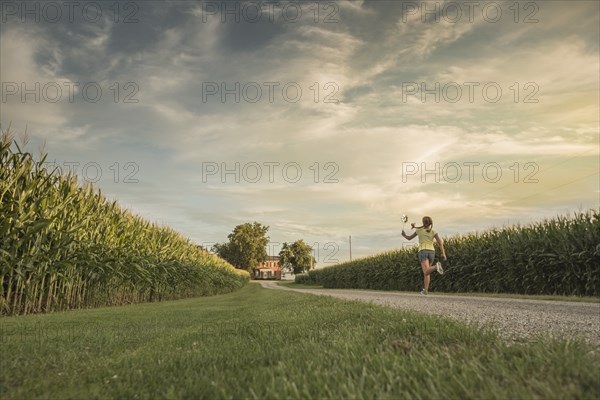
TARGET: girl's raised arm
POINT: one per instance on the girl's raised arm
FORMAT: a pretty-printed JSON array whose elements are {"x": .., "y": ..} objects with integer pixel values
[{"x": 411, "y": 237}]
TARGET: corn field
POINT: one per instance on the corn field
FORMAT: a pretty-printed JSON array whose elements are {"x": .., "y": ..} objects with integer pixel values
[
  {"x": 64, "y": 246},
  {"x": 557, "y": 256}
]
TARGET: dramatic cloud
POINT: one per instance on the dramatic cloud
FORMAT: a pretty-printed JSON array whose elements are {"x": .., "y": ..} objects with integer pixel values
[{"x": 321, "y": 120}]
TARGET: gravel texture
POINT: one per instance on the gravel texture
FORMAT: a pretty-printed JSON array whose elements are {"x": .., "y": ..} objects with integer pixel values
[{"x": 514, "y": 319}]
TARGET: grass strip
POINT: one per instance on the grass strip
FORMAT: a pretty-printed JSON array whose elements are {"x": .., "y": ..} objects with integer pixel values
[{"x": 260, "y": 343}]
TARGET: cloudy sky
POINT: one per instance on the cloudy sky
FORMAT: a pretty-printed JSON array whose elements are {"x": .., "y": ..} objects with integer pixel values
[{"x": 320, "y": 120}]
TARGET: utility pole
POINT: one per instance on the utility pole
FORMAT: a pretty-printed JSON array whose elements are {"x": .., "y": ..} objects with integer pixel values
[{"x": 350, "y": 240}]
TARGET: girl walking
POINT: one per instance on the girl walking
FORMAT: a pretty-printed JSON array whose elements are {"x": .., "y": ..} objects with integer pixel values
[{"x": 426, "y": 235}]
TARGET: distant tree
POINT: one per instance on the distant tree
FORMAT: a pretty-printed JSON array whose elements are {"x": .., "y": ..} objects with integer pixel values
[
  {"x": 247, "y": 246},
  {"x": 286, "y": 257},
  {"x": 225, "y": 251},
  {"x": 297, "y": 257}
]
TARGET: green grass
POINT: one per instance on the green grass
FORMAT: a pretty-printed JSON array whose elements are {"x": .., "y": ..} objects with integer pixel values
[
  {"x": 575, "y": 299},
  {"x": 260, "y": 343}
]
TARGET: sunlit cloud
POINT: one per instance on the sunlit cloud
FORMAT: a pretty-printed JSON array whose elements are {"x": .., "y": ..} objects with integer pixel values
[{"x": 354, "y": 131}]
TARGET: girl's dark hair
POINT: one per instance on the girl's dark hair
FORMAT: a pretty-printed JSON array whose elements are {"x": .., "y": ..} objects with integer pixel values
[{"x": 427, "y": 223}]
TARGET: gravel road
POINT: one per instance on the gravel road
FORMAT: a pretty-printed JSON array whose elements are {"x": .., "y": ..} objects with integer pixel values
[{"x": 515, "y": 319}]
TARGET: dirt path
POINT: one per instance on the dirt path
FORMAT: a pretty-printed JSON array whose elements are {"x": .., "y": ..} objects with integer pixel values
[{"x": 515, "y": 319}]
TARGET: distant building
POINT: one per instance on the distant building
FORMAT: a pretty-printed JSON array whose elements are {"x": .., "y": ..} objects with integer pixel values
[{"x": 269, "y": 269}]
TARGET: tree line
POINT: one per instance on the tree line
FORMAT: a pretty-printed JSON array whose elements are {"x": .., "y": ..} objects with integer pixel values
[{"x": 247, "y": 247}]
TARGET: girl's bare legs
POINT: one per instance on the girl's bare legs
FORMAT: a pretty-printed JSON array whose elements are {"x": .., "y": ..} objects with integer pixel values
[{"x": 427, "y": 270}]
